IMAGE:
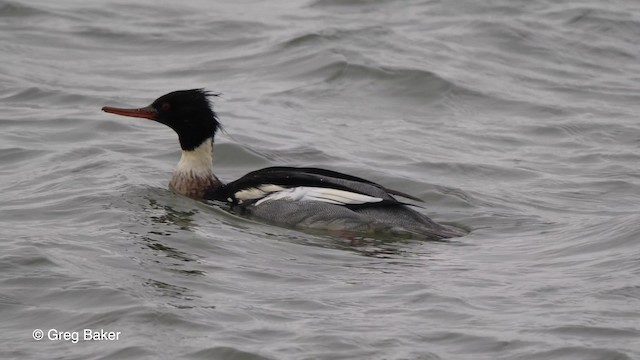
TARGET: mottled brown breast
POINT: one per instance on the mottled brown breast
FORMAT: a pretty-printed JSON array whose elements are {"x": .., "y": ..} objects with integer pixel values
[{"x": 193, "y": 186}]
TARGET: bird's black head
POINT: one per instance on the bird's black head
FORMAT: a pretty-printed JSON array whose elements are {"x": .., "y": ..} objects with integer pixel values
[{"x": 187, "y": 112}]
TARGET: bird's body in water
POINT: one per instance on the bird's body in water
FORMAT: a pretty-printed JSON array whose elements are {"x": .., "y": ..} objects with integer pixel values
[{"x": 308, "y": 198}]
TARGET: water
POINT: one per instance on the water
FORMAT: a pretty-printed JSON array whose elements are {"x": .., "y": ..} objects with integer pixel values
[{"x": 515, "y": 119}]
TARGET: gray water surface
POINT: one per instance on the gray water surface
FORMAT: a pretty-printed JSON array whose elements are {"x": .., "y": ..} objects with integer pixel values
[{"x": 515, "y": 119}]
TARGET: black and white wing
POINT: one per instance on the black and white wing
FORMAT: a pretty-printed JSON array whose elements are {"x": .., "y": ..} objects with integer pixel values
[{"x": 306, "y": 184}]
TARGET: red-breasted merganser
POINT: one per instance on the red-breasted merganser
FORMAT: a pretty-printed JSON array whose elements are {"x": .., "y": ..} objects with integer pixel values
[{"x": 289, "y": 196}]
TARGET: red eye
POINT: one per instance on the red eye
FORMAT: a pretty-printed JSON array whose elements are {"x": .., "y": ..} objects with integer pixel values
[{"x": 166, "y": 106}]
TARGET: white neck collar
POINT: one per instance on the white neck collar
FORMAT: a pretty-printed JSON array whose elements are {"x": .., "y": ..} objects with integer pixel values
[{"x": 198, "y": 161}]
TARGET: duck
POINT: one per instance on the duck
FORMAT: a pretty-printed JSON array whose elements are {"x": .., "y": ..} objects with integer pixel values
[{"x": 305, "y": 198}]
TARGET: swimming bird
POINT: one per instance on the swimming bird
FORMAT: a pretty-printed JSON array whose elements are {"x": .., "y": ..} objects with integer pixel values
[{"x": 299, "y": 197}]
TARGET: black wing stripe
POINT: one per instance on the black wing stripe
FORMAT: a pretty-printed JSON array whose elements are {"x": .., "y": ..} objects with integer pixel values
[{"x": 335, "y": 174}]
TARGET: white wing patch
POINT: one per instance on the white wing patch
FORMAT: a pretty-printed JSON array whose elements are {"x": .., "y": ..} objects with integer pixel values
[
  {"x": 257, "y": 192},
  {"x": 328, "y": 195}
]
